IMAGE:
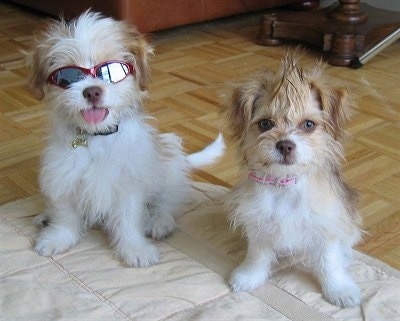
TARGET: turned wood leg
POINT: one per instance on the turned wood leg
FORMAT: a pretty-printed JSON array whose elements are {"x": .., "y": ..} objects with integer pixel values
[
  {"x": 265, "y": 36},
  {"x": 343, "y": 50},
  {"x": 348, "y": 11}
]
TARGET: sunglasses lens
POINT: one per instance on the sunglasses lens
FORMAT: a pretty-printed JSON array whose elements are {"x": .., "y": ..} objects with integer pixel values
[
  {"x": 113, "y": 71},
  {"x": 66, "y": 76}
]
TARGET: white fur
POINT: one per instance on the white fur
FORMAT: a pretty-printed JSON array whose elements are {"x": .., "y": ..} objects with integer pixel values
[
  {"x": 296, "y": 223},
  {"x": 132, "y": 181},
  {"x": 314, "y": 223}
]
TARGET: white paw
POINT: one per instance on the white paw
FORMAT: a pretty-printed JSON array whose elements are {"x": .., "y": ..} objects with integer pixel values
[
  {"x": 54, "y": 241},
  {"x": 140, "y": 256},
  {"x": 41, "y": 220},
  {"x": 162, "y": 227},
  {"x": 246, "y": 278},
  {"x": 346, "y": 295}
]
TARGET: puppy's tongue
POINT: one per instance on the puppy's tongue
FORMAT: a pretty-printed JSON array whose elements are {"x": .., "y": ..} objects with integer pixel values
[{"x": 94, "y": 115}]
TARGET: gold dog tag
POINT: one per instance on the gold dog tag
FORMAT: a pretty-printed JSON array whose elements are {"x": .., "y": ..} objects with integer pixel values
[{"x": 81, "y": 139}]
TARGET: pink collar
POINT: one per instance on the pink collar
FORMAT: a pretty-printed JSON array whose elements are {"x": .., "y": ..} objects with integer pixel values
[{"x": 270, "y": 180}]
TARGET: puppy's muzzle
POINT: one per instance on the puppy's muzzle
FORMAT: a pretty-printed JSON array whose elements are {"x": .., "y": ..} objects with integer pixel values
[
  {"x": 93, "y": 94},
  {"x": 286, "y": 148}
]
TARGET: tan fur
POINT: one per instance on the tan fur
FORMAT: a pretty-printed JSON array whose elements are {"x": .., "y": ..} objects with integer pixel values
[
  {"x": 42, "y": 60},
  {"x": 287, "y": 102}
]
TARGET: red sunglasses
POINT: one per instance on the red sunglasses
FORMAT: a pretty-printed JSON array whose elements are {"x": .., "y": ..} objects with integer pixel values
[{"x": 111, "y": 71}]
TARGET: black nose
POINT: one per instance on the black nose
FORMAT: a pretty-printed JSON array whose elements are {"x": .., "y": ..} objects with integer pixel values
[
  {"x": 285, "y": 147},
  {"x": 92, "y": 94}
]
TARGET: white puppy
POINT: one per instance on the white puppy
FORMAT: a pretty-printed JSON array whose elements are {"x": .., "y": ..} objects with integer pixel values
[
  {"x": 292, "y": 202},
  {"x": 103, "y": 162}
]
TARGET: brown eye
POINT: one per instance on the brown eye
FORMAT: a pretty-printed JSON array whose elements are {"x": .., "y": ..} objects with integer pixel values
[
  {"x": 265, "y": 125},
  {"x": 308, "y": 125}
]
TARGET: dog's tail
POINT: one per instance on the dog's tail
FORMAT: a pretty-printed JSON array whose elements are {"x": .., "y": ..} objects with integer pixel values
[{"x": 209, "y": 154}]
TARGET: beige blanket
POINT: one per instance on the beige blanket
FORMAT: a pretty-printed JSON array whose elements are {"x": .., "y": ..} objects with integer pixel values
[{"x": 88, "y": 283}]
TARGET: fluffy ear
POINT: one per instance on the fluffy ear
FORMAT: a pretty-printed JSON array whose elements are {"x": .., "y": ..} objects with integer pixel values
[
  {"x": 336, "y": 106},
  {"x": 37, "y": 79},
  {"x": 38, "y": 58},
  {"x": 136, "y": 43},
  {"x": 240, "y": 107}
]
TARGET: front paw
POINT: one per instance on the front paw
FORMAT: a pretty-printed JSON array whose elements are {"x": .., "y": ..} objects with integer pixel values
[
  {"x": 55, "y": 241},
  {"x": 346, "y": 295},
  {"x": 247, "y": 278},
  {"x": 162, "y": 227},
  {"x": 139, "y": 256}
]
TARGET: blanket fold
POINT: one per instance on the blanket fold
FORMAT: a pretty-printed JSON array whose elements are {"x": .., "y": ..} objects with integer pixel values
[{"x": 189, "y": 283}]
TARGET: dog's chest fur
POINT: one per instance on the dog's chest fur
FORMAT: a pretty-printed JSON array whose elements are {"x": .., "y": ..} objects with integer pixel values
[
  {"x": 106, "y": 171},
  {"x": 289, "y": 219},
  {"x": 286, "y": 219}
]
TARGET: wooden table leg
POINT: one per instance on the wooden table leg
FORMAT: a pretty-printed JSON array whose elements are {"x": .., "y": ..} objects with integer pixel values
[{"x": 346, "y": 32}]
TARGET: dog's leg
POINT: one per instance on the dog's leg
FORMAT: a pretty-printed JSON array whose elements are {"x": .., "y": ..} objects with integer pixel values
[
  {"x": 126, "y": 229},
  {"x": 161, "y": 222},
  {"x": 63, "y": 231},
  {"x": 337, "y": 285},
  {"x": 162, "y": 225},
  {"x": 254, "y": 270}
]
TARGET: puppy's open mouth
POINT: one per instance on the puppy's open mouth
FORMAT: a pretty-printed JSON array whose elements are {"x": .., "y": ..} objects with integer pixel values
[{"x": 94, "y": 115}]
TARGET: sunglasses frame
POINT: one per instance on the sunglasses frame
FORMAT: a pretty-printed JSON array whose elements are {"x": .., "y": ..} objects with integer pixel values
[{"x": 90, "y": 71}]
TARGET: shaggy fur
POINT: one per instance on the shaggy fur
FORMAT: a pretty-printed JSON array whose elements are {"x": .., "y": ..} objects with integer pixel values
[
  {"x": 132, "y": 181},
  {"x": 288, "y": 125}
]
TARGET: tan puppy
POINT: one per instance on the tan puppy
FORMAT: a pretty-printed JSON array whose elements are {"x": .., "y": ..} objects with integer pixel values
[{"x": 292, "y": 202}]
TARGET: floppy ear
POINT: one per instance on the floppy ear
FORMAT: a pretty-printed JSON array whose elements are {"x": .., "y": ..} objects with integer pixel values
[
  {"x": 241, "y": 106},
  {"x": 136, "y": 43},
  {"x": 38, "y": 78},
  {"x": 38, "y": 59},
  {"x": 336, "y": 106}
]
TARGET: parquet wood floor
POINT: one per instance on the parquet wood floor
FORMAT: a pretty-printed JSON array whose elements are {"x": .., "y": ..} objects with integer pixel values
[{"x": 190, "y": 70}]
